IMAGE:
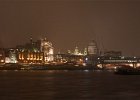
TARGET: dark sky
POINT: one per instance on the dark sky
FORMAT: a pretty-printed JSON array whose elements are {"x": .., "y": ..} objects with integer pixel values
[{"x": 68, "y": 23}]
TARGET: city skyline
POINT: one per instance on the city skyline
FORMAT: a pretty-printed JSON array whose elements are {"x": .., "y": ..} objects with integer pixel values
[{"x": 113, "y": 24}]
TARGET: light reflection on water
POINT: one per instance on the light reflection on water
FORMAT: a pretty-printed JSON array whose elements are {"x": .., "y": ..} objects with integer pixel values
[{"x": 68, "y": 85}]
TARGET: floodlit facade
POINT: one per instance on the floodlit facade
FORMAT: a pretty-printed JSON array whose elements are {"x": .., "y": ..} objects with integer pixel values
[
  {"x": 48, "y": 50},
  {"x": 78, "y": 52},
  {"x": 11, "y": 56},
  {"x": 30, "y": 57}
]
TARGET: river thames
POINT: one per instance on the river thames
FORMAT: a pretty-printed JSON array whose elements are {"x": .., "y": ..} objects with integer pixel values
[{"x": 68, "y": 85}]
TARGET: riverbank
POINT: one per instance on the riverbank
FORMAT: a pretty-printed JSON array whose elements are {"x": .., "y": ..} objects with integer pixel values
[{"x": 44, "y": 67}]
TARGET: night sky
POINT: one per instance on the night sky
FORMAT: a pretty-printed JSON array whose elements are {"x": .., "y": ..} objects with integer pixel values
[{"x": 114, "y": 24}]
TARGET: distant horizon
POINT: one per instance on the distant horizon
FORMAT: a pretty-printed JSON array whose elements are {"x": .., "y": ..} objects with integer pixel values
[{"x": 65, "y": 50}]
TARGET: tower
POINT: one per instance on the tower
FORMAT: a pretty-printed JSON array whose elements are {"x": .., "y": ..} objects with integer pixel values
[
  {"x": 92, "y": 54},
  {"x": 92, "y": 48},
  {"x": 47, "y": 49}
]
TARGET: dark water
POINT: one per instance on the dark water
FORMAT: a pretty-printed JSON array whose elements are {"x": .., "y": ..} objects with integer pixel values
[{"x": 68, "y": 85}]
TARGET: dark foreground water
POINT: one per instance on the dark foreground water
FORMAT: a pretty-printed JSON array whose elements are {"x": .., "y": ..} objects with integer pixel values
[{"x": 68, "y": 85}]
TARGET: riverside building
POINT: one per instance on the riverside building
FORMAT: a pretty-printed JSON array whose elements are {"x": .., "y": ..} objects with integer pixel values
[
  {"x": 2, "y": 56},
  {"x": 92, "y": 54},
  {"x": 40, "y": 51},
  {"x": 47, "y": 49}
]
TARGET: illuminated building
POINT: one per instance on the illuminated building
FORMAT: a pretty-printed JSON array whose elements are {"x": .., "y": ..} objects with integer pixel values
[
  {"x": 69, "y": 51},
  {"x": 2, "y": 56},
  {"x": 30, "y": 57},
  {"x": 92, "y": 54},
  {"x": 30, "y": 47},
  {"x": 74, "y": 58},
  {"x": 11, "y": 56},
  {"x": 77, "y": 52},
  {"x": 47, "y": 49},
  {"x": 92, "y": 48},
  {"x": 34, "y": 51},
  {"x": 69, "y": 59}
]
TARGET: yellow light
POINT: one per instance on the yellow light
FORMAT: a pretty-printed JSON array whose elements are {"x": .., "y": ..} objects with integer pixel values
[
  {"x": 2, "y": 60},
  {"x": 99, "y": 66},
  {"x": 138, "y": 64},
  {"x": 131, "y": 65}
]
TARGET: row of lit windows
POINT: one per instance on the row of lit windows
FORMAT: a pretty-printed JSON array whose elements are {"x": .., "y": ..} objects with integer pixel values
[{"x": 31, "y": 57}]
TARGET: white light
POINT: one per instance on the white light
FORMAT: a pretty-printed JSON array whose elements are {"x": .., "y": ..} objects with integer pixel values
[
  {"x": 86, "y": 59},
  {"x": 86, "y": 70}
]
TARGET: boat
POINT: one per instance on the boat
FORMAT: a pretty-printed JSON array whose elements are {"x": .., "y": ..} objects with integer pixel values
[{"x": 127, "y": 70}]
